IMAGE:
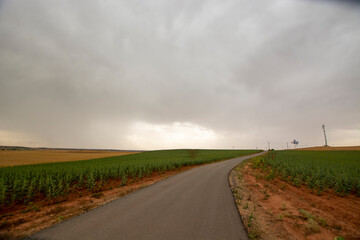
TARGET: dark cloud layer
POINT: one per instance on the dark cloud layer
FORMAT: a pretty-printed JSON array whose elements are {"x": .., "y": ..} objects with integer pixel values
[{"x": 134, "y": 74}]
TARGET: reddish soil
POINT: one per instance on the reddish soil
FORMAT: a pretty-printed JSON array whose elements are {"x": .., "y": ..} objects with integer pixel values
[
  {"x": 22, "y": 220},
  {"x": 274, "y": 209}
]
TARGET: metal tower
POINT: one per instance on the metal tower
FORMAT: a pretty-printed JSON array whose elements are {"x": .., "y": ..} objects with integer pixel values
[
  {"x": 295, "y": 142},
  {"x": 323, "y": 127}
]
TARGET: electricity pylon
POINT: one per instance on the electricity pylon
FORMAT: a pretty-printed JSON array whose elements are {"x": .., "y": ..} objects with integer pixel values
[{"x": 323, "y": 127}]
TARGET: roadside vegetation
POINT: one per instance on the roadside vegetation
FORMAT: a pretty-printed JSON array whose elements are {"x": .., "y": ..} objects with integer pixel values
[
  {"x": 299, "y": 194},
  {"x": 317, "y": 170},
  {"x": 24, "y": 184}
]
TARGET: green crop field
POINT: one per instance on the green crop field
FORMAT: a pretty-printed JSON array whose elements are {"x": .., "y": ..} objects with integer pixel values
[
  {"x": 21, "y": 184},
  {"x": 319, "y": 170}
]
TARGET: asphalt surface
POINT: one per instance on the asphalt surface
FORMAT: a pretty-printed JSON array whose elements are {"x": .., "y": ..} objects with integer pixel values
[{"x": 196, "y": 204}]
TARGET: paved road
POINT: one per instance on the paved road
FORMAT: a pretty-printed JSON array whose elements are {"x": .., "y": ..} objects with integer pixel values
[{"x": 196, "y": 204}]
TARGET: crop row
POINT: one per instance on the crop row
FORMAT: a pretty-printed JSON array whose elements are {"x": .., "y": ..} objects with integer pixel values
[
  {"x": 24, "y": 183},
  {"x": 319, "y": 170}
]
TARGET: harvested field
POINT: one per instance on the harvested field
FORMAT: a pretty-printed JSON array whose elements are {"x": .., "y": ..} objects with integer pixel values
[
  {"x": 328, "y": 148},
  {"x": 24, "y": 157}
]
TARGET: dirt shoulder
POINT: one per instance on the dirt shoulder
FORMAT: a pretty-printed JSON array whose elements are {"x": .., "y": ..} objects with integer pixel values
[
  {"x": 277, "y": 210},
  {"x": 19, "y": 221}
]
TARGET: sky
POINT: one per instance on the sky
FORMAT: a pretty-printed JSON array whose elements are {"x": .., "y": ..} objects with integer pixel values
[{"x": 179, "y": 74}]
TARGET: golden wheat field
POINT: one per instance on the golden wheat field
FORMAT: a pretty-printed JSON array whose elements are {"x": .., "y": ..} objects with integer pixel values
[
  {"x": 328, "y": 148},
  {"x": 24, "y": 157}
]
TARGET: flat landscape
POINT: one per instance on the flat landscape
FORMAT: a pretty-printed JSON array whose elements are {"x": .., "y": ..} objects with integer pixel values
[
  {"x": 35, "y": 156},
  {"x": 196, "y": 204},
  {"x": 180, "y": 120},
  {"x": 288, "y": 194},
  {"x": 49, "y": 190},
  {"x": 300, "y": 194}
]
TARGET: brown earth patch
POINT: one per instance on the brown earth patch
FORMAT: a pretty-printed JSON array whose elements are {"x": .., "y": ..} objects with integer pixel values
[
  {"x": 24, "y": 157},
  {"x": 277, "y": 210},
  {"x": 19, "y": 221}
]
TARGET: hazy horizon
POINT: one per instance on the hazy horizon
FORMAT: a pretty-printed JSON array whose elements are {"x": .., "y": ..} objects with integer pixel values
[{"x": 179, "y": 74}]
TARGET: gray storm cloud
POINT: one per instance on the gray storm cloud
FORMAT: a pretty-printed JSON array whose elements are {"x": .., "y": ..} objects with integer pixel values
[{"x": 168, "y": 74}]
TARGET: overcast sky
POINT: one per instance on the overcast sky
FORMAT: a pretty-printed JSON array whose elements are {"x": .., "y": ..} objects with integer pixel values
[{"x": 179, "y": 74}]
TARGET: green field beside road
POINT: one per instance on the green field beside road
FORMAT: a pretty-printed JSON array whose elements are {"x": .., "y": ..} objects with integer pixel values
[
  {"x": 24, "y": 183},
  {"x": 318, "y": 170}
]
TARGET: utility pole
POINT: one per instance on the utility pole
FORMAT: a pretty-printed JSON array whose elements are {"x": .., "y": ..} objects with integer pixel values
[
  {"x": 287, "y": 146},
  {"x": 323, "y": 127},
  {"x": 268, "y": 145}
]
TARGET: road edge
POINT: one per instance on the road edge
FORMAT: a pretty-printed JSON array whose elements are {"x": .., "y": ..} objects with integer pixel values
[{"x": 231, "y": 189}]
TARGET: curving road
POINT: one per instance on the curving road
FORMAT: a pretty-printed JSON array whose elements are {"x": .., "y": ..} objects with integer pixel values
[{"x": 196, "y": 204}]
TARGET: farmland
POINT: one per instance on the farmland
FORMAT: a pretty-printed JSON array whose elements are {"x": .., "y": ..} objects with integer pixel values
[
  {"x": 299, "y": 194},
  {"x": 19, "y": 156},
  {"x": 319, "y": 170},
  {"x": 22, "y": 184},
  {"x": 329, "y": 148}
]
